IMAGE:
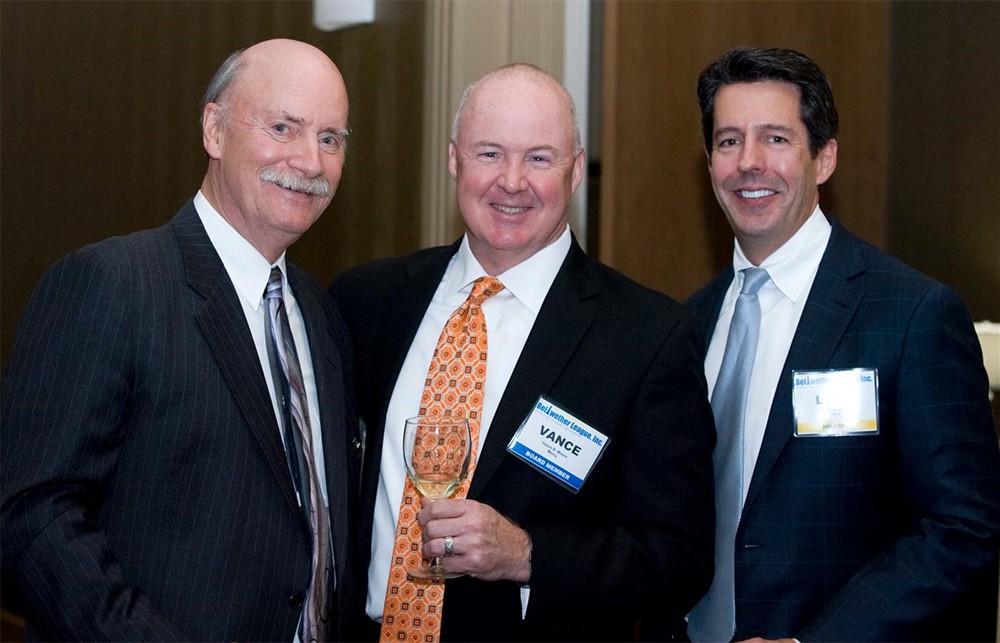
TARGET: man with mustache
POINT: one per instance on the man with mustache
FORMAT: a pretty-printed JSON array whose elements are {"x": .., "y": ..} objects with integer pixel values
[
  {"x": 857, "y": 469},
  {"x": 178, "y": 429}
]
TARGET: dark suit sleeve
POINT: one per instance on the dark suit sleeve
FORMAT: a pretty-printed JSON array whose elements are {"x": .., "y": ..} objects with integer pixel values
[
  {"x": 65, "y": 401},
  {"x": 951, "y": 473},
  {"x": 651, "y": 552}
]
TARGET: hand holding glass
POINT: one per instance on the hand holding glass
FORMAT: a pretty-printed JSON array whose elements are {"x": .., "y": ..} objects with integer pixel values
[{"x": 437, "y": 452}]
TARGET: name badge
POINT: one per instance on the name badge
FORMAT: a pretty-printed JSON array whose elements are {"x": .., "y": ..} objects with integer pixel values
[
  {"x": 835, "y": 402},
  {"x": 558, "y": 444}
]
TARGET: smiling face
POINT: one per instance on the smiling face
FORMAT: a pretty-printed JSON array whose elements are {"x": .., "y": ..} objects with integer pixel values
[
  {"x": 276, "y": 144},
  {"x": 762, "y": 172},
  {"x": 516, "y": 166}
]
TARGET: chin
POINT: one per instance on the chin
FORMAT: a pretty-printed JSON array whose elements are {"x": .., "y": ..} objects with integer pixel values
[{"x": 298, "y": 223}]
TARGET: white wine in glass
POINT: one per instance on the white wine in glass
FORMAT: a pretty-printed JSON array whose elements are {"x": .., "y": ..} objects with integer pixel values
[{"x": 437, "y": 452}]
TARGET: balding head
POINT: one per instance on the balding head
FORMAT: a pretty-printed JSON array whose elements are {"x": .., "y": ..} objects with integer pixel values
[
  {"x": 274, "y": 125},
  {"x": 527, "y": 72},
  {"x": 268, "y": 54}
]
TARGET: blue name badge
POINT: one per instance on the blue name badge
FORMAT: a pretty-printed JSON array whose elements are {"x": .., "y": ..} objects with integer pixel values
[{"x": 558, "y": 444}]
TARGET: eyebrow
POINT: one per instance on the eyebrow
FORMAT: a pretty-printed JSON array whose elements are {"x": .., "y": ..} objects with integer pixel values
[
  {"x": 537, "y": 148},
  {"x": 298, "y": 120},
  {"x": 769, "y": 127}
]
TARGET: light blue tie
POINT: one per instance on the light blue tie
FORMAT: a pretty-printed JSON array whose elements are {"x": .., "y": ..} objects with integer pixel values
[
  {"x": 714, "y": 617},
  {"x": 301, "y": 458}
]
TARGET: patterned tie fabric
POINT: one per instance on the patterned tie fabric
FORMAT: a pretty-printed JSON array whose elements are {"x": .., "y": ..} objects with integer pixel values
[
  {"x": 454, "y": 386},
  {"x": 714, "y": 617},
  {"x": 302, "y": 461}
]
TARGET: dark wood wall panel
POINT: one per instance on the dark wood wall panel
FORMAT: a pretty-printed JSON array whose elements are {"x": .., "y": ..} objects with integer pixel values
[
  {"x": 99, "y": 125},
  {"x": 943, "y": 173},
  {"x": 659, "y": 221}
]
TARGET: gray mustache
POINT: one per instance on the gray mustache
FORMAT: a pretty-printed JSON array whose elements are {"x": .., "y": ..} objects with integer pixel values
[{"x": 317, "y": 187}]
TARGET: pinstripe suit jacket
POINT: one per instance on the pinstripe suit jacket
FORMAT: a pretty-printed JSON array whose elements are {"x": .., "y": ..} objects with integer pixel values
[
  {"x": 146, "y": 494},
  {"x": 889, "y": 537}
]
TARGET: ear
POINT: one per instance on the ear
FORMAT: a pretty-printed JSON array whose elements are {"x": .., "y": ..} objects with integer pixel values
[
  {"x": 579, "y": 167},
  {"x": 211, "y": 131},
  {"x": 452, "y": 161},
  {"x": 826, "y": 161}
]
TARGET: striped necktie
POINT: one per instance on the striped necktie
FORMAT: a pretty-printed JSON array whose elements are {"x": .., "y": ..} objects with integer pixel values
[{"x": 285, "y": 368}]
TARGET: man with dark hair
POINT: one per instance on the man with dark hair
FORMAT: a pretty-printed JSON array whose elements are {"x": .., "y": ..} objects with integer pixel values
[
  {"x": 178, "y": 427},
  {"x": 590, "y": 504},
  {"x": 857, "y": 468}
]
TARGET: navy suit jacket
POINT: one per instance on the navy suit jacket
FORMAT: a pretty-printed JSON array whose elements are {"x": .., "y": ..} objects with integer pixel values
[
  {"x": 636, "y": 540},
  {"x": 879, "y": 537},
  {"x": 146, "y": 494}
]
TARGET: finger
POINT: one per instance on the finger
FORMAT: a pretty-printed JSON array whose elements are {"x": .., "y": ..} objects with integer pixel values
[
  {"x": 448, "y": 508},
  {"x": 440, "y": 528},
  {"x": 445, "y": 547},
  {"x": 427, "y": 516},
  {"x": 454, "y": 564}
]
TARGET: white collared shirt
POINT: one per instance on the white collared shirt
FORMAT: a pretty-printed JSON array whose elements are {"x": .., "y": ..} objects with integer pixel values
[
  {"x": 792, "y": 269},
  {"x": 249, "y": 271},
  {"x": 510, "y": 314}
]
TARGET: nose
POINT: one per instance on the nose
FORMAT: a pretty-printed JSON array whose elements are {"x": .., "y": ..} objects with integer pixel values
[
  {"x": 306, "y": 157},
  {"x": 751, "y": 157},
  {"x": 513, "y": 178}
]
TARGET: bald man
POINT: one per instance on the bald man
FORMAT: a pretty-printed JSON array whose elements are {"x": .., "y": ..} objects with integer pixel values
[
  {"x": 151, "y": 472},
  {"x": 590, "y": 505}
]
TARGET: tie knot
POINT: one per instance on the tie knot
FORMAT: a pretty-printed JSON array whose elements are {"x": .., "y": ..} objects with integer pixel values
[
  {"x": 273, "y": 289},
  {"x": 753, "y": 280},
  {"x": 484, "y": 288}
]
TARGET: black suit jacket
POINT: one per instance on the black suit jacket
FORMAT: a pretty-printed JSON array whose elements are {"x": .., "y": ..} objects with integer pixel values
[
  {"x": 879, "y": 537},
  {"x": 146, "y": 494},
  {"x": 636, "y": 540}
]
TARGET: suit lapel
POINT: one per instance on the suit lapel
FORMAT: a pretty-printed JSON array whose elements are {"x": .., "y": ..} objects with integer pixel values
[
  {"x": 401, "y": 314},
  {"x": 567, "y": 312},
  {"x": 225, "y": 327},
  {"x": 833, "y": 300},
  {"x": 706, "y": 304}
]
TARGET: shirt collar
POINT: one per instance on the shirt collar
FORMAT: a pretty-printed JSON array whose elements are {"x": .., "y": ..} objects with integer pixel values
[
  {"x": 528, "y": 281},
  {"x": 248, "y": 269},
  {"x": 792, "y": 266}
]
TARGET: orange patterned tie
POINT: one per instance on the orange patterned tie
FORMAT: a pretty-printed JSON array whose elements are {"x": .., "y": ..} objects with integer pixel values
[{"x": 455, "y": 385}]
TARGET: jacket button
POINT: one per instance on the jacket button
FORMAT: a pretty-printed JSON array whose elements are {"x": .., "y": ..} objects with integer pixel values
[{"x": 296, "y": 600}]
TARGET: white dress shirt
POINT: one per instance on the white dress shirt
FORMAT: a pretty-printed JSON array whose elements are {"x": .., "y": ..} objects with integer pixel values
[
  {"x": 792, "y": 269},
  {"x": 250, "y": 271},
  {"x": 509, "y": 315}
]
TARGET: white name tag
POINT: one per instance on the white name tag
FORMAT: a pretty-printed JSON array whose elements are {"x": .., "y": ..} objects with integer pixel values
[
  {"x": 832, "y": 403},
  {"x": 558, "y": 444}
]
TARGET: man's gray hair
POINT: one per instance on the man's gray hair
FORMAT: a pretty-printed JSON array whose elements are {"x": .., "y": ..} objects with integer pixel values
[
  {"x": 221, "y": 82},
  {"x": 456, "y": 123}
]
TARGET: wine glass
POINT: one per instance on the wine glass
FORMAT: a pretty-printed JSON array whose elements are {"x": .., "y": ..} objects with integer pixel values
[{"x": 437, "y": 452}]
